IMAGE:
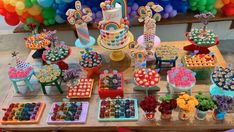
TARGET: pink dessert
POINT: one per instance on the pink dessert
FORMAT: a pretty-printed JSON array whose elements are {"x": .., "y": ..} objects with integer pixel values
[
  {"x": 146, "y": 77},
  {"x": 181, "y": 77}
]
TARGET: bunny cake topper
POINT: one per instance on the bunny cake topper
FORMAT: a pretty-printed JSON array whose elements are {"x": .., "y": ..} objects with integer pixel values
[
  {"x": 79, "y": 17},
  {"x": 149, "y": 14}
]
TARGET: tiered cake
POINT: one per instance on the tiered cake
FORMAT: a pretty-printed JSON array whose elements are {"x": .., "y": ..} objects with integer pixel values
[{"x": 113, "y": 27}]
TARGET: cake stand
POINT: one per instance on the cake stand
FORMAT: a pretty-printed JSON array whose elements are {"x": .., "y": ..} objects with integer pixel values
[
  {"x": 62, "y": 65},
  {"x": 92, "y": 41},
  {"x": 141, "y": 42},
  {"x": 216, "y": 90},
  {"x": 202, "y": 49},
  {"x": 116, "y": 54}
]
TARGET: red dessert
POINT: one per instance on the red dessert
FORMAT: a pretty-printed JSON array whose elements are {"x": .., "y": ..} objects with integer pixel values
[{"x": 146, "y": 77}]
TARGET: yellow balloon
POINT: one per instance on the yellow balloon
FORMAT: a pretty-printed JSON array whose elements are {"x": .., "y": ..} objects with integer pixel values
[
  {"x": 19, "y": 12},
  {"x": 19, "y": 5},
  {"x": 6, "y": 1},
  {"x": 102, "y": 4},
  {"x": 219, "y": 4},
  {"x": 13, "y": 2},
  {"x": 35, "y": 10}
]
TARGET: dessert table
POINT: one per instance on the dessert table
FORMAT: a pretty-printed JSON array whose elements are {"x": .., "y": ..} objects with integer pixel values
[{"x": 92, "y": 124}]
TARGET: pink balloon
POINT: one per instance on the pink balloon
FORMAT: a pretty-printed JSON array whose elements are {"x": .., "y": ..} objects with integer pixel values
[{"x": 173, "y": 13}]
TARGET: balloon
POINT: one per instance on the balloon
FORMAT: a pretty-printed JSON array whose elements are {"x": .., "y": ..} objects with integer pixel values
[
  {"x": 210, "y": 2},
  {"x": 93, "y": 16},
  {"x": 34, "y": 1},
  {"x": 9, "y": 8},
  {"x": 202, "y": 2},
  {"x": 129, "y": 10},
  {"x": 19, "y": 5},
  {"x": 28, "y": 3},
  {"x": 1, "y": 4},
  {"x": 99, "y": 14},
  {"x": 214, "y": 11},
  {"x": 219, "y": 4},
  {"x": 201, "y": 8},
  {"x": 173, "y": 13},
  {"x": 226, "y": 2},
  {"x": 48, "y": 13},
  {"x": 19, "y": 12},
  {"x": 3, "y": 12},
  {"x": 13, "y": 2},
  {"x": 193, "y": 3},
  {"x": 58, "y": 19},
  {"x": 165, "y": 15},
  {"x": 45, "y": 3},
  {"x": 51, "y": 21},
  {"x": 39, "y": 18},
  {"x": 34, "y": 10},
  {"x": 135, "y": 7},
  {"x": 133, "y": 14},
  {"x": 168, "y": 9},
  {"x": 12, "y": 19}
]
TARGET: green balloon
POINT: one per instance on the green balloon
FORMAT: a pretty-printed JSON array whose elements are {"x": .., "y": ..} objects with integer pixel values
[
  {"x": 34, "y": 1},
  {"x": 48, "y": 13},
  {"x": 193, "y": 3},
  {"x": 201, "y": 8},
  {"x": 194, "y": 8},
  {"x": 202, "y": 2},
  {"x": 214, "y": 11},
  {"x": 46, "y": 23},
  {"x": 209, "y": 7},
  {"x": 211, "y": 2},
  {"x": 25, "y": 27},
  {"x": 28, "y": 3},
  {"x": 30, "y": 20},
  {"x": 51, "y": 21}
]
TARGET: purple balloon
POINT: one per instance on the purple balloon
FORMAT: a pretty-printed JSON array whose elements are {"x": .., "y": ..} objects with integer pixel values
[
  {"x": 99, "y": 14},
  {"x": 133, "y": 14},
  {"x": 168, "y": 8},
  {"x": 94, "y": 16},
  {"x": 165, "y": 15},
  {"x": 129, "y": 10},
  {"x": 135, "y": 7},
  {"x": 173, "y": 13}
]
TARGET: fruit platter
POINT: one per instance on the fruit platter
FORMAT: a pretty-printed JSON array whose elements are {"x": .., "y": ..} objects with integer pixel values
[
  {"x": 23, "y": 113},
  {"x": 68, "y": 113},
  {"x": 111, "y": 84},
  {"x": 83, "y": 89},
  {"x": 119, "y": 109}
]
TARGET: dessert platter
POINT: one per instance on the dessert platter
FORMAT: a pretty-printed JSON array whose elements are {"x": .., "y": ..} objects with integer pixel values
[
  {"x": 23, "y": 113},
  {"x": 68, "y": 113},
  {"x": 119, "y": 109}
]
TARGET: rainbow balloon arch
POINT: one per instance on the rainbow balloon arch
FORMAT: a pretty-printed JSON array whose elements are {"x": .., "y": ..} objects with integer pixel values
[{"x": 50, "y": 12}]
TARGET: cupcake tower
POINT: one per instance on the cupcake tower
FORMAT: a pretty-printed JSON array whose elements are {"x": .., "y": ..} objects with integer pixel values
[
  {"x": 146, "y": 80},
  {"x": 180, "y": 79},
  {"x": 48, "y": 73},
  {"x": 199, "y": 61},
  {"x": 23, "y": 113},
  {"x": 223, "y": 78},
  {"x": 202, "y": 38},
  {"x": 118, "y": 110},
  {"x": 68, "y": 112},
  {"x": 111, "y": 84}
]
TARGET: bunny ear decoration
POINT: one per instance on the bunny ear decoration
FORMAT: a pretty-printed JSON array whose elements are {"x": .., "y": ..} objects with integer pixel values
[
  {"x": 78, "y": 5},
  {"x": 141, "y": 11},
  {"x": 148, "y": 11},
  {"x": 70, "y": 12},
  {"x": 157, "y": 8},
  {"x": 87, "y": 18},
  {"x": 157, "y": 17},
  {"x": 71, "y": 20}
]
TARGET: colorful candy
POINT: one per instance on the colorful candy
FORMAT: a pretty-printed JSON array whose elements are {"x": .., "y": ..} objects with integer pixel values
[
  {"x": 37, "y": 41},
  {"x": 59, "y": 52},
  {"x": 199, "y": 61},
  {"x": 48, "y": 73},
  {"x": 166, "y": 52},
  {"x": 90, "y": 59}
]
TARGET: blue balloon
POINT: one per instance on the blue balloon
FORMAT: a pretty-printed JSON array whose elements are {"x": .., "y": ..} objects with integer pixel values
[
  {"x": 58, "y": 19},
  {"x": 45, "y": 3},
  {"x": 67, "y": 1}
]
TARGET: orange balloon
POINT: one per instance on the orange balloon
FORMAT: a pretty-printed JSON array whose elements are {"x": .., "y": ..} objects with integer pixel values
[
  {"x": 25, "y": 15},
  {"x": 226, "y": 2},
  {"x": 1, "y": 4},
  {"x": 218, "y": 4},
  {"x": 232, "y": 1},
  {"x": 39, "y": 18},
  {"x": 9, "y": 8}
]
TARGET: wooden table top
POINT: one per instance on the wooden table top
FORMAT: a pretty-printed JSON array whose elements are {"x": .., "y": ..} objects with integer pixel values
[{"x": 92, "y": 124}]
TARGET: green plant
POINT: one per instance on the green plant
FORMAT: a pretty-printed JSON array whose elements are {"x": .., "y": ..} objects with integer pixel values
[{"x": 205, "y": 102}]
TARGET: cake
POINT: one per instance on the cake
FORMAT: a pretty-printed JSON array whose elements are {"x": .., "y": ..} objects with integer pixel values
[
  {"x": 180, "y": 77},
  {"x": 199, "y": 61},
  {"x": 114, "y": 26},
  {"x": 223, "y": 78}
]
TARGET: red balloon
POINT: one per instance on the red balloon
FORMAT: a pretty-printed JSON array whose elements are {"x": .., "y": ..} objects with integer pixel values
[
  {"x": 3, "y": 12},
  {"x": 12, "y": 19},
  {"x": 228, "y": 9},
  {"x": 39, "y": 18},
  {"x": 9, "y": 8},
  {"x": 23, "y": 20},
  {"x": 1, "y": 4}
]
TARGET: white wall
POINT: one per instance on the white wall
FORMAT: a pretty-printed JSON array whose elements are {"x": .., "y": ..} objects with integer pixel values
[{"x": 4, "y": 28}]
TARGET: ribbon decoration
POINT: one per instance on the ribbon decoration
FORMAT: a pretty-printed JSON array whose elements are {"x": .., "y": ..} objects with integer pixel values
[
  {"x": 145, "y": 12},
  {"x": 79, "y": 15}
]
